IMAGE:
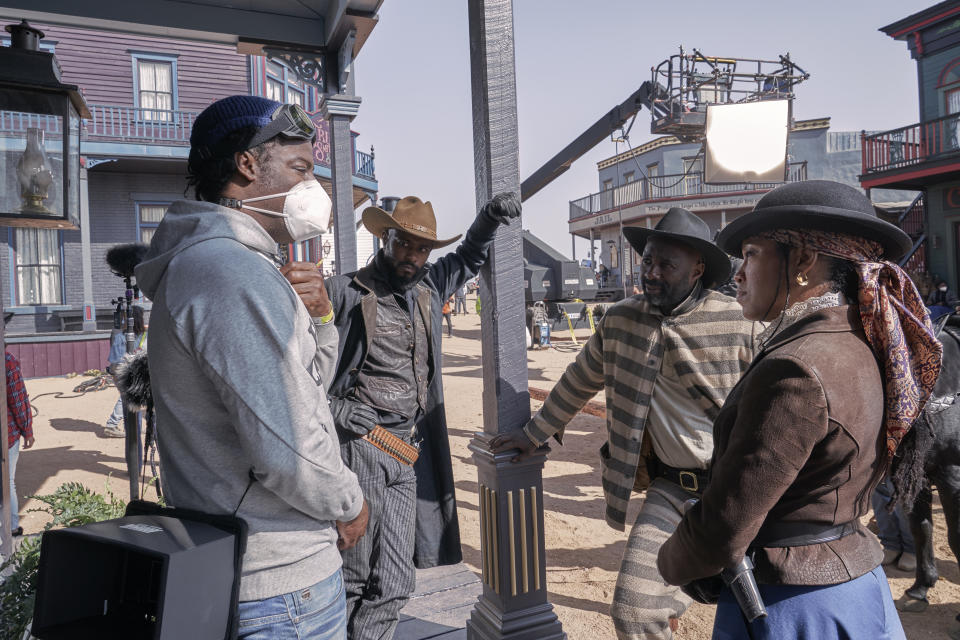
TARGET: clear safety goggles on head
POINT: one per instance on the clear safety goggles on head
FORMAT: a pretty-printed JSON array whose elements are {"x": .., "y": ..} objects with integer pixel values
[{"x": 289, "y": 121}]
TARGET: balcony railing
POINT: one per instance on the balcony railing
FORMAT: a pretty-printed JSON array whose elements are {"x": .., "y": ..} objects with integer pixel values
[
  {"x": 911, "y": 145},
  {"x": 913, "y": 222},
  {"x": 116, "y": 123},
  {"x": 363, "y": 164},
  {"x": 137, "y": 124},
  {"x": 669, "y": 186}
]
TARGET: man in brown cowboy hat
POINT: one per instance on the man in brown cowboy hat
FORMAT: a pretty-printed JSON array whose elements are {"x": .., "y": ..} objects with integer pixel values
[
  {"x": 666, "y": 360},
  {"x": 387, "y": 398}
]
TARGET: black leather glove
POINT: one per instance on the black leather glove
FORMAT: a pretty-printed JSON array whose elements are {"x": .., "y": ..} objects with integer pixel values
[
  {"x": 503, "y": 207},
  {"x": 704, "y": 590},
  {"x": 352, "y": 416}
]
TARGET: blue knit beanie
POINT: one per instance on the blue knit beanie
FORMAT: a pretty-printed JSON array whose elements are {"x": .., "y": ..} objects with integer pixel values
[{"x": 227, "y": 115}]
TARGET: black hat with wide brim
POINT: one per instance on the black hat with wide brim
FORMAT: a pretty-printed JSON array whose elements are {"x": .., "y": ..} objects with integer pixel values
[
  {"x": 823, "y": 205},
  {"x": 679, "y": 225}
]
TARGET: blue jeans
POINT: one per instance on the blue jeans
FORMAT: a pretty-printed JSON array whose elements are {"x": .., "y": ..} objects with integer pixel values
[
  {"x": 318, "y": 612},
  {"x": 894, "y": 528},
  {"x": 14, "y": 506},
  {"x": 116, "y": 416},
  {"x": 861, "y": 609}
]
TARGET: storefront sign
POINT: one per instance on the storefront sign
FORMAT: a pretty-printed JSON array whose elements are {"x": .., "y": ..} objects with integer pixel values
[{"x": 951, "y": 199}]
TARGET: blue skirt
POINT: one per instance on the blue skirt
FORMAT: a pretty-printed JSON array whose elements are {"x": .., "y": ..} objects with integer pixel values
[{"x": 859, "y": 609}]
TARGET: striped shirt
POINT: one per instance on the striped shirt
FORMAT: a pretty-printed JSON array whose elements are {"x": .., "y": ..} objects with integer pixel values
[{"x": 707, "y": 341}]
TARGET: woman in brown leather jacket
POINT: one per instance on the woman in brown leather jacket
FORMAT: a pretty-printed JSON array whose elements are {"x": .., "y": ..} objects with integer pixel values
[{"x": 845, "y": 366}]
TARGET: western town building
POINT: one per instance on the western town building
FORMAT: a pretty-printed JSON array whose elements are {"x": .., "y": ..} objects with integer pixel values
[
  {"x": 641, "y": 184},
  {"x": 143, "y": 93},
  {"x": 925, "y": 155}
]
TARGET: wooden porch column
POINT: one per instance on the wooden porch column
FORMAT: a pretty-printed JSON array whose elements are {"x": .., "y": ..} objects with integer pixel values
[
  {"x": 340, "y": 110},
  {"x": 86, "y": 261},
  {"x": 514, "y": 600}
]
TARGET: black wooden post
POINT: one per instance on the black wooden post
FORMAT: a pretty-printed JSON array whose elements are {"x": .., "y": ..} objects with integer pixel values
[
  {"x": 514, "y": 602},
  {"x": 6, "y": 517}
]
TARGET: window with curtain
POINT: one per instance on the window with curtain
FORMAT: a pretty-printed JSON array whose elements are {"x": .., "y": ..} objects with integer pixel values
[
  {"x": 953, "y": 101},
  {"x": 148, "y": 217},
  {"x": 284, "y": 86},
  {"x": 37, "y": 268},
  {"x": 693, "y": 171},
  {"x": 155, "y": 89}
]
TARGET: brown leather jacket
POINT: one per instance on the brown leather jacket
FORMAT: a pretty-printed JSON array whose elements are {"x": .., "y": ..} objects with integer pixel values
[{"x": 798, "y": 440}]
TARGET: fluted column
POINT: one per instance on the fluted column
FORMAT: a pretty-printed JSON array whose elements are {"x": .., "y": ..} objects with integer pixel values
[{"x": 514, "y": 601}]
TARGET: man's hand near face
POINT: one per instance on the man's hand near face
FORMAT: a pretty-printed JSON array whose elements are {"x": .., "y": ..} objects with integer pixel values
[{"x": 307, "y": 281}]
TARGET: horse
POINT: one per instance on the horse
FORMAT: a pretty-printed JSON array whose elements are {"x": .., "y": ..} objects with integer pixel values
[{"x": 930, "y": 456}]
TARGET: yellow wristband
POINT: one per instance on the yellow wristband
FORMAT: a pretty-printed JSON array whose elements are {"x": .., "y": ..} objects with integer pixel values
[{"x": 327, "y": 319}]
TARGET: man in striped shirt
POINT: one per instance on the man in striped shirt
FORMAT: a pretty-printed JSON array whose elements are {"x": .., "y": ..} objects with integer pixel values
[{"x": 666, "y": 361}]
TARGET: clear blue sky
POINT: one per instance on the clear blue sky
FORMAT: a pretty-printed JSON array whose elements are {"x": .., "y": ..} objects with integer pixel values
[{"x": 576, "y": 60}]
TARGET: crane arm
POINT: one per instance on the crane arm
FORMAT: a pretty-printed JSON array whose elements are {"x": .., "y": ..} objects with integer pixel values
[{"x": 613, "y": 120}]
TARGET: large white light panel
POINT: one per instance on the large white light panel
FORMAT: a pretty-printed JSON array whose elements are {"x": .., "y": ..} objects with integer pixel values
[{"x": 746, "y": 142}]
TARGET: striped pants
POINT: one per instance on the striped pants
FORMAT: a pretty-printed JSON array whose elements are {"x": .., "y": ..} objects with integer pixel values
[
  {"x": 642, "y": 602},
  {"x": 378, "y": 573}
]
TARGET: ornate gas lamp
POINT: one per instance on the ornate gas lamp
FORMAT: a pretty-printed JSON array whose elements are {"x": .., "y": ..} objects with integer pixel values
[{"x": 39, "y": 136}]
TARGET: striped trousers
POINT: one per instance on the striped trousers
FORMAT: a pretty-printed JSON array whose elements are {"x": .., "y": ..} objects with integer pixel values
[
  {"x": 378, "y": 573},
  {"x": 642, "y": 602}
]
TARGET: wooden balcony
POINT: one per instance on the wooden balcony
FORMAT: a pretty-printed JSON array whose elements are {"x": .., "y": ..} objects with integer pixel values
[
  {"x": 912, "y": 157},
  {"x": 667, "y": 187},
  {"x": 135, "y": 125}
]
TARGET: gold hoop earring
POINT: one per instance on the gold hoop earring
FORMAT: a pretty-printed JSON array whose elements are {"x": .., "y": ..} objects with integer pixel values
[{"x": 801, "y": 279}]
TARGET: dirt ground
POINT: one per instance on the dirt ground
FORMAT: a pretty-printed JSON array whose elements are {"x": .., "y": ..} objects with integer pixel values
[{"x": 583, "y": 553}]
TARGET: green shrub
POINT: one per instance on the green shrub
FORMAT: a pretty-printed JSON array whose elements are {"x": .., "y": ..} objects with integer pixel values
[{"x": 71, "y": 505}]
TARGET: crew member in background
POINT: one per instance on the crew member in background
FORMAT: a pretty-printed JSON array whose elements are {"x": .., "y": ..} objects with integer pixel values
[
  {"x": 118, "y": 349},
  {"x": 19, "y": 425},
  {"x": 666, "y": 361},
  {"x": 387, "y": 396},
  {"x": 461, "y": 301},
  {"x": 447, "y": 312}
]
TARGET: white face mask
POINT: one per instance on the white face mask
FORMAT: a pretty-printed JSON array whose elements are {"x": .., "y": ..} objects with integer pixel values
[
  {"x": 944, "y": 288},
  {"x": 306, "y": 210}
]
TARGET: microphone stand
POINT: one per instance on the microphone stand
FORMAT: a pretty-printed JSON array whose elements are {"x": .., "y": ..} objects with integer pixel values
[{"x": 131, "y": 419}]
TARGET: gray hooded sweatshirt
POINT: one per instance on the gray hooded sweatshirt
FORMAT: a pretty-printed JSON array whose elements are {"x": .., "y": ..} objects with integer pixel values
[{"x": 237, "y": 368}]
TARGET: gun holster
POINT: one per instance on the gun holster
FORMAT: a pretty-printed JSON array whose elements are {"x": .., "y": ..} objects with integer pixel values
[{"x": 743, "y": 584}]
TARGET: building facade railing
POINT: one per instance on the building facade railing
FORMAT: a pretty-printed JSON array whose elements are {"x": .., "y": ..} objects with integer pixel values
[
  {"x": 669, "y": 186},
  {"x": 913, "y": 222},
  {"x": 911, "y": 145},
  {"x": 363, "y": 164},
  {"x": 137, "y": 124},
  {"x": 116, "y": 123}
]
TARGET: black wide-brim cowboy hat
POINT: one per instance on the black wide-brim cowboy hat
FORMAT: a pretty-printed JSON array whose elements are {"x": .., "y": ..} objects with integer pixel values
[
  {"x": 679, "y": 225},
  {"x": 411, "y": 215},
  {"x": 822, "y": 205}
]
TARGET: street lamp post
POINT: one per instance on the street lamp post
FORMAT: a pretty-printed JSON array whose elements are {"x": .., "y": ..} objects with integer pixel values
[{"x": 39, "y": 164}]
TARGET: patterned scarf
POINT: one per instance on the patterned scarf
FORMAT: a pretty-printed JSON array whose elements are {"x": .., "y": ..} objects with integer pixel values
[{"x": 896, "y": 323}]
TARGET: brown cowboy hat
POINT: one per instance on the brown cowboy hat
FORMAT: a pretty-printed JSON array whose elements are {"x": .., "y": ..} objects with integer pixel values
[{"x": 411, "y": 215}]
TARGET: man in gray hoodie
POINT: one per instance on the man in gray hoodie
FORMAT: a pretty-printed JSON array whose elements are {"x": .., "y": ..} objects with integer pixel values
[{"x": 239, "y": 352}]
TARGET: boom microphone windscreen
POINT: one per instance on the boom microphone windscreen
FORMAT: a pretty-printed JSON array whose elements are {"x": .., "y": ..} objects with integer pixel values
[{"x": 122, "y": 258}]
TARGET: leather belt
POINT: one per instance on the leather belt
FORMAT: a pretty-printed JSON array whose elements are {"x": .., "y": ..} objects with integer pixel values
[
  {"x": 800, "y": 534},
  {"x": 393, "y": 446},
  {"x": 691, "y": 480}
]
